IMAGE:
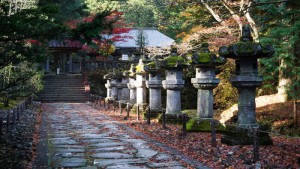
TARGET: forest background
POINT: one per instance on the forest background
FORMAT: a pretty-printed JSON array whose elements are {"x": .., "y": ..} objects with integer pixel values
[{"x": 26, "y": 28}]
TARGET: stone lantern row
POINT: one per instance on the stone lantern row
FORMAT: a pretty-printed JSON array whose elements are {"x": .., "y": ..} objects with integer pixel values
[{"x": 132, "y": 86}]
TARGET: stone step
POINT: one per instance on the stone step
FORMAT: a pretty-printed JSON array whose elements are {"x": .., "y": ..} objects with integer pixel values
[
  {"x": 63, "y": 80},
  {"x": 59, "y": 91},
  {"x": 63, "y": 100},
  {"x": 63, "y": 88},
  {"x": 64, "y": 83},
  {"x": 62, "y": 95},
  {"x": 69, "y": 76}
]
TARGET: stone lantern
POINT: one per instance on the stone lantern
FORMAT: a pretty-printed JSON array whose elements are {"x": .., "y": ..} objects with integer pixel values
[
  {"x": 245, "y": 53},
  {"x": 205, "y": 81},
  {"x": 114, "y": 85},
  {"x": 174, "y": 82},
  {"x": 154, "y": 84},
  {"x": 125, "y": 90},
  {"x": 108, "y": 85},
  {"x": 140, "y": 83},
  {"x": 131, "y": 83}
]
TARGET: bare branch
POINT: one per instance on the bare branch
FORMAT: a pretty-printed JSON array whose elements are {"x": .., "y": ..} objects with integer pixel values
[
  {"x": 252, "y": 23},
  {"x": 213, "y": 13},
  {"x": 242, "y": 5},
  {"x": 235, "y": 16}
]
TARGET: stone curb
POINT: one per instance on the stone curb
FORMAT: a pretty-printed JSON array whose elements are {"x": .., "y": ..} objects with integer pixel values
[{"x": 41, "y": 161}]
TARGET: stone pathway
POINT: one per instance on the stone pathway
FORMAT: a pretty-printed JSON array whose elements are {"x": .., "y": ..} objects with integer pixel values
[{"x": 82, "y": 137}]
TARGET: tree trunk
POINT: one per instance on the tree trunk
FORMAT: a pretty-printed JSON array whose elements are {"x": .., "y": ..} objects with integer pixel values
[
  {"x": 296, "y": 115},
  {"x": 282, "y": 84},
  {"x": 252, "y": 23}
]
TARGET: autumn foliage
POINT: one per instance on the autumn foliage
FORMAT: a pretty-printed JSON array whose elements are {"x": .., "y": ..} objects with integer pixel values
[{"x": 102, "y": 40}]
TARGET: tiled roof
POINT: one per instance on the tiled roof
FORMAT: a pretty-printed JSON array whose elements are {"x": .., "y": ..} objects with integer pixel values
[
  {"x": 65, "y": 44},
  {"x": 154, "y": 38}
]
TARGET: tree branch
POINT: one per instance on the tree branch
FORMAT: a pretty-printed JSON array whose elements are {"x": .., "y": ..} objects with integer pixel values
[
  {"x": 235, "y": 16},
  {"x": 252, "y": 23},
  {"x": 213, "y": 13}
]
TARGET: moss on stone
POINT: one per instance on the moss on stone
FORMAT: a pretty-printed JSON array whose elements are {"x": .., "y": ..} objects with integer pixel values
[
  {"x": 240, "y": 136},
  {"x": 172, "y": 61},
  {"x": 152, "y": 65},
  {"x": 205, "y": 57},
  {"x": 133, "y": 109},
  {"x": 245, "y": 47},
  {"x": 142, "y": 109},
  {"x": 202, "y": 125}
]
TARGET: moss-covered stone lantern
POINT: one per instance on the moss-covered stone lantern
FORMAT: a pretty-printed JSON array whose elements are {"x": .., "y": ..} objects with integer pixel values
[
  {"x": 245, "y": 53},
  {"x": 125, "y": 92},
  {"x": 131, "y": 83},
  {"x": 174, "y": 82},
  {"x": 140, "y": 83},
  {"x": 205, "y": 81},
  {"x": 154, "y": 84}
]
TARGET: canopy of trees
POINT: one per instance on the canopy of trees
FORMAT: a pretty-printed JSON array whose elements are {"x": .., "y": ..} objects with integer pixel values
[{"x": 26, "y": 28}]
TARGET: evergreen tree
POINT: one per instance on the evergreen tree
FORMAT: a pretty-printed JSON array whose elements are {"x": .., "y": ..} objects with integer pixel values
[
  {"x": 139, "y": 13},
  {"x": 282, "y": 29},
  {"x": 141, "y": 40}
]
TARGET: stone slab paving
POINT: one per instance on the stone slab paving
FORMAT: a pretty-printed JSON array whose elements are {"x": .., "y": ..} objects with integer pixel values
[{"x": 82, "y": 137}]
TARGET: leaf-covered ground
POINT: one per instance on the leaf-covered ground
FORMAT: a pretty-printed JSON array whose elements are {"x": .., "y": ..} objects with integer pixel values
[
  {"x": 17, "y": 145},
  {"x": 198, "y": 146},
  {"x": 279, "y": 117}
]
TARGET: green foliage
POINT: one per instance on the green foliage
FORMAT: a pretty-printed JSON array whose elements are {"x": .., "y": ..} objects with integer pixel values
[
  {"x": 97, "y": 82},
  {"x": 21, "y": 80},
  {"x": 189, "y": 92},
  {"x": 281, "y": 28},
  {"x": 141, "y": 40},
  {"x": 21, "y": 35},
  {"x": 225, "y": 95},
  {"x": 178, "y": 18},
  {"x": 139, "y": 13},
  {"x": 12, "y": 104},
  {"x": 96, "y": 6},
  {"x": 66, "y": 10}
]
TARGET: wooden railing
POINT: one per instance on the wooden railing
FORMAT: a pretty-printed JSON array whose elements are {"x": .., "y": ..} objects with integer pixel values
[{"x": 9, "y": 118}]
